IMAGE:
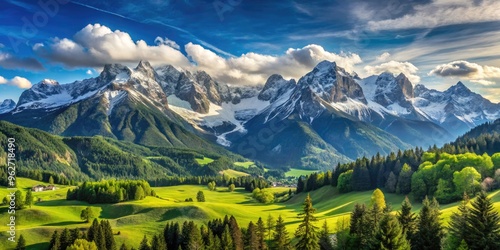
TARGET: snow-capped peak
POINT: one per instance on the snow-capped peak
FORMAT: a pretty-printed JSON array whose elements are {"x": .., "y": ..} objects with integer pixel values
[
  {"x": 49, "y": 82},
  {"x": 7, "y": 105},
  {"x": 325, "y": 66}
]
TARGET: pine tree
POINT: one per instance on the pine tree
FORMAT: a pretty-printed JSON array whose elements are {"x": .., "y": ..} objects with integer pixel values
[
  {"x": 390, "y": 235},
  {"x": 457, "y": 228},
  {"x": 325, "y": 243},
  {"x": 144, "y": 244},
  {"x": 21, "y": 243},
  {"x": 430, "y": 231},
  {"x": 251, "y": 238},
  {"x": 261, "y": 234},
  {"x": 307, "y": 231},
  {"x": 29, "y": 198},
  {"x": 226, "y": 239},
  {"x": 158, "y": 243},
  {"x": 75, "y": 234},
  {"x": 236, "y": 233},
  {"x": 93, "y": 231},
  {"x": 108, "y": 235},
  {"x": 209, "y": 240},
  {"x": 360, "y": 230},
  {"x": 195, "y": 239},
  {"x": 100, "y": 239},
  {"x": 281, "y": 239},
  {"x": 124, "y": 247},
  {"x": 407, "y": 219},
  {"x": 65, "y": 239},
  {"x": 54, "y": 241},
  {"x": 270, "y": 224},
  {"x": 483, "y": 224}
]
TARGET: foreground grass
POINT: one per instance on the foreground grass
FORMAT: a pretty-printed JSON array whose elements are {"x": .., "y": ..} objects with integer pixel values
[{"x": 149, "y": 216}]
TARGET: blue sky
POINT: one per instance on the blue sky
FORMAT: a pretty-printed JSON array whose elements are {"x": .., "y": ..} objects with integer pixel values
[{"x": 434, "y": 42}]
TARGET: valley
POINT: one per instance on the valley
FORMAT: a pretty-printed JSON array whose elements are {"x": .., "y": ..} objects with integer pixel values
[{"x": 150, "y": 215}]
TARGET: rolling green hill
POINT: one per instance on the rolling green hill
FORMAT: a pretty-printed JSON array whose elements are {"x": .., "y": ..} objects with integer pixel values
[{"x": 150, "y": 215}]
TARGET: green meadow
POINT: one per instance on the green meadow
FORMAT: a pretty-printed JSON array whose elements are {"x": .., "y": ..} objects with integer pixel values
[{"x": 131, "y": 220}]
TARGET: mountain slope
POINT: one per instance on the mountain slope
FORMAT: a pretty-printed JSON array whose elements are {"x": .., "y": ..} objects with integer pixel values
[
  {"x": 121, "y": 103},
  {"x": 81, "y": 158}
]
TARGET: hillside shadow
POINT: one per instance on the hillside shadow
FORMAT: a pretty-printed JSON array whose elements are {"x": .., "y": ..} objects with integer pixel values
[
  {"x": 38, "y": 246},
  {"x": 54, "y": 203},
  {"x": 64, "y": 223}
]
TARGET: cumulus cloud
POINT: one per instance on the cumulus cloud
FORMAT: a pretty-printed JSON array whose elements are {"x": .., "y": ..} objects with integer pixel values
[
  {"x": 9, "y": 61},
  {"x": 383, "y": 57},
  {"x": 395, "y": 67},
  {"x": 17, "y": 81},
  {"x": 89, "y": 72},
  {"x": 96, "y": 45},
  {"x": 481, "y": 74},
  {"x": 440, "y": 13},
  {"x": 254, "y": 68},
  {"x": 168, "y": 42}
]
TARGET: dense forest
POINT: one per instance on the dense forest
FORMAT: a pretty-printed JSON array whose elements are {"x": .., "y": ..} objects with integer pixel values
[
  {"x": 110, "y": 191},
  {"x": 468, "y": 165}
]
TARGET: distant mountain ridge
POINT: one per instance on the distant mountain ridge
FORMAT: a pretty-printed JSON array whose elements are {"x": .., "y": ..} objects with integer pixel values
[{"x": 330, "y": 116}]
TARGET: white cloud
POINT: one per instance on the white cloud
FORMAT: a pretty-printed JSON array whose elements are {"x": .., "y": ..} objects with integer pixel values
[
  {"x": 17, "y": 81},
  {"x": 483, "y": 82},
  {"x": 89, "y": 72},
  {"x": 96, "y": 45},
  {"x": 253, "y": 68},
  {"x": 481, "y": 74},
  {"x": 168, "y": 42},
  {"x": 442, "y": 12},
  {"x": 395, "y": 67},
  {"x": 383, "y": 57}
]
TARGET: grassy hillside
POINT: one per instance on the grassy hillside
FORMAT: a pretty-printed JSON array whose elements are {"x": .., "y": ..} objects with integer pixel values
[
  {"x": 149, "y": 216},
  {"x": 97, "y": 157}
]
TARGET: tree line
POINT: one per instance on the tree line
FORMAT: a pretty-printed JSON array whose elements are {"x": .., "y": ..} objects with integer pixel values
[
  {"x": 247, "y": 182},
  {"x": 111, "y": 191},
  {"x": 434, "y": 173},
  {"x": 99, "y": 236},
  {"x": 374, "y": 227}
]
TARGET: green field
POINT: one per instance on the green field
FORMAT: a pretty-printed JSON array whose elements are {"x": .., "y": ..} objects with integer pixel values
[
  {"x": 233, "y": 173},
  {"x": 294, "y": 172},
  {"x": 245, "y": 164},
  {"x": 204, "y": 161},
  {"x": 148, "y": 216}
]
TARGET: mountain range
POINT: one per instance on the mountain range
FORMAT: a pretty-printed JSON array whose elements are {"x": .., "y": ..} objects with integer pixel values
[{"x": 326, "y": 117}]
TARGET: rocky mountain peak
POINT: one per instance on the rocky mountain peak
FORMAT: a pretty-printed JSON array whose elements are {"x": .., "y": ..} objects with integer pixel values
[
  {"x": 405, "y": 85},
  {"x": 7, "y": 105},
  {"x": 110, "y": 72},
  {"x": 275, "y": 86},
  {"x": 325, "y": 66},
  {"x": 459, "y": 89},
  {"x": 146, "y": 69}
]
